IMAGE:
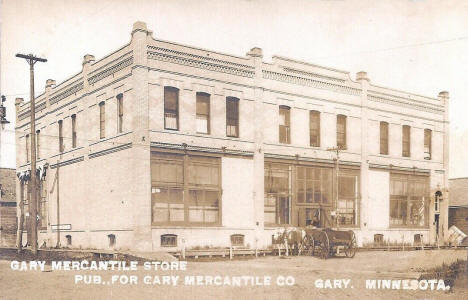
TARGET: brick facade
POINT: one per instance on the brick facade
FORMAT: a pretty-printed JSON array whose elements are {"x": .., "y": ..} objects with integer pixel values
[{"x": 106, "y": 187}]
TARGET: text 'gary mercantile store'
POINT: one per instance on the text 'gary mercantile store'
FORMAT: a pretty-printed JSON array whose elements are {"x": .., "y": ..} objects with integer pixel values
[{"x": 161, "y": 145}]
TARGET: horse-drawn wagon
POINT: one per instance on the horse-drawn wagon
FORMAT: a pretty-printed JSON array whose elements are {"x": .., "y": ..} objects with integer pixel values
[
  {"x": 328, "y": 242},
  {"x": 316, "y": 241}
]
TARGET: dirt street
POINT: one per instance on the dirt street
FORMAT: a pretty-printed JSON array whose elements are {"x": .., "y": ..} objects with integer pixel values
[{"x": 346, "y": 277}]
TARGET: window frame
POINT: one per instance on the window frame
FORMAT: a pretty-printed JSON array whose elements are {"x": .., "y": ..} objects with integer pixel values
[
  {"x": 73, "y": 126},
  {"x": 28, "y": 145},
  {"x": 187, "y": 161},
  {"x": 428, "y": 143},
  {"x": 278, "y": 194},
  {"x": 170, "y": 237},
  {"x": 314, "y": 121},
  {"x": 341, "y": 137},
  {"x": 287, "y": 126},
  {"x": 60, "y": 130},
  {"x": 384, "y": 138},
  {"x": 406, "y": 141},
  {"x": 102, "y": 120},
  {"x": 120, "y": 113},
  {"x": 406, "y": 200},
  {"x": 38, "y": 140},
  {"x": 202, "y": 97},
  {"x": 175, "y": 112},
  {"x": 355, "y": 199},
  {"x": 232, "y": 121}
]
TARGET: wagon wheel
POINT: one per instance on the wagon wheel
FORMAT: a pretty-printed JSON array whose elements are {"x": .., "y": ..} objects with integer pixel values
[
  {"x": 308, "y": 244},
  {"x": 324, "y": 245},
  {"x": 350, "y": 250}
]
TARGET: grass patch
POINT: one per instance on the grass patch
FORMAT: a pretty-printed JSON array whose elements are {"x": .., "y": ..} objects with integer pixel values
[{"x": 448, "y": 273}]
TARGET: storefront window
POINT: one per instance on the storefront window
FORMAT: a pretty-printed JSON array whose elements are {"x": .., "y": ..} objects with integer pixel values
[
  {"x": 177, "y": 199},
  {"x": 409, "y": 200},
  {"x": 277, "y": 194},
  {"x": 347, "y": 199}
]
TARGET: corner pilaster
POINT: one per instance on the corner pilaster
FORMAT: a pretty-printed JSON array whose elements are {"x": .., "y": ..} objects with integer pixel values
[
  {"x": 362, "y": 78},
  {"x": 141, "y": 152},
  {"x": 255, "y": 55}
]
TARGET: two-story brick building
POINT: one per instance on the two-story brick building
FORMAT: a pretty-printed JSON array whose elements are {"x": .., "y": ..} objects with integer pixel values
[{"x": 160, "y": 144}]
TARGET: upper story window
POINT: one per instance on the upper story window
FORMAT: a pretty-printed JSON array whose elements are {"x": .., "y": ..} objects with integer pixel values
[
  {"x": 406, "y": 141},
  {"x": 384, "y": 138},
  {"x": 232, "y": 117},
  {"x": 73, "y": 124},
  {"x": 427, "y": 144},
  {"x": 314, "y": 119},
  {"x": 27, "y": 147},
  {"x": 60, "y": 134},
  {"x": 38, "y": 141},
  {"x": 171, "y": 108},
  {"x": 119, "y": 113},
  {"x": 102, "y": 120},
  {"x": 341, "y": 131},
  {"x": 203, "y": 113},
  {"x": 284, "y": 124}
]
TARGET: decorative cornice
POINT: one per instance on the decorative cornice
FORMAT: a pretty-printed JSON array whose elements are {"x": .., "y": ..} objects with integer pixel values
[
  {"x": 201, "y": 149},
  {"x": 199, "y": 57},
  {"x": 310, "y": 82},
  {"x": 245, "y": 71},
  {"x": 400, "y": 101},
  {"x": 111, "y": 70},
  {"x": 304, "y": 73},
  {"x": 72, "y": 90},
  {"x": 27, "y": 113}
]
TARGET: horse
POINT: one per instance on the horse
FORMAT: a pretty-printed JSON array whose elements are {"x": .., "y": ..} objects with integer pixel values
[{"x": 291, "y": 238}]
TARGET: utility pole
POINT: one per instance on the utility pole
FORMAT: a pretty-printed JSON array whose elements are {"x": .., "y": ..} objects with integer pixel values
[
  {"x": 337, "y": 170},
  {"x": 31, "y": 59}
]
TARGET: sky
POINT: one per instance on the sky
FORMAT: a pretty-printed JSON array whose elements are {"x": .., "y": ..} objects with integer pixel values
[{"x": 413, "y": 45}]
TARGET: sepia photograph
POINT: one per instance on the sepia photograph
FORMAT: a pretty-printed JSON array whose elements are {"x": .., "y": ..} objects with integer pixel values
[{"x": 237, "y": 149}]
